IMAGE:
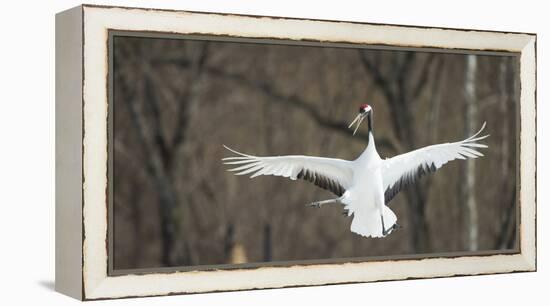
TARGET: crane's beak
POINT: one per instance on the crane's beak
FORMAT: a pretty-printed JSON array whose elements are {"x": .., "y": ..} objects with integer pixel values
[{"x": 357, "y": 119}]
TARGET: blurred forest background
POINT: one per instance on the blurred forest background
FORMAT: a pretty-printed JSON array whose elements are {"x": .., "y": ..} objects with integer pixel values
[{"x": 177, "y": 101}]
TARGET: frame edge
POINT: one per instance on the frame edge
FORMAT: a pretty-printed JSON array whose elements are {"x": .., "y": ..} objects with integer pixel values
[
  {"x": 528, "y": 153},
  {"x": 68, "y": 152}
]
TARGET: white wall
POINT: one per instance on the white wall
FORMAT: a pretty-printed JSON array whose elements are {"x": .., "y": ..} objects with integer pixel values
[{"x": 27, "y": 153}]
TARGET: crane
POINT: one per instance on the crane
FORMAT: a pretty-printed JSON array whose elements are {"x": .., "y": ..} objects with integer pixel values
[{"x": 366, "y": 185}]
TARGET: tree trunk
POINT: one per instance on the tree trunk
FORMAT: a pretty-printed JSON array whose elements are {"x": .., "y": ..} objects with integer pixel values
[
  {"x": 267, "y": 245},
  {"x": 507, "y": 235},
  {"x": 167, "y": 206},
  {"x": 229, "y": 241},
  {"x": 468, "y": 187},
  {"x": 420, "y": 239}
]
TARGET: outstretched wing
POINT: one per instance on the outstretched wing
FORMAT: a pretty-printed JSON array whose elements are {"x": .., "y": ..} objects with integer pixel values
[
  {"x": 331, "y": 174},
  {"x": 403, "y": 170}
]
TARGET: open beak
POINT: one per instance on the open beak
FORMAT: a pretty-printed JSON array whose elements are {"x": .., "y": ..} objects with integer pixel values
[{"x": 357, "y": 119}]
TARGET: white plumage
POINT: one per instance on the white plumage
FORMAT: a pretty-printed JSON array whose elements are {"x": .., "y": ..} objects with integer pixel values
[
  {"x": 291, "y": 165},
  {"x": 365, "y": 185}
]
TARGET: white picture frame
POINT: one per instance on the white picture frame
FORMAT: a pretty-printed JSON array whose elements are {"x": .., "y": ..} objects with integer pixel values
[{"x": 82, "y": 37}]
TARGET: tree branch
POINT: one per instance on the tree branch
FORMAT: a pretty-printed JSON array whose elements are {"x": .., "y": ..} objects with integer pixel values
[
  {"x": 152, "y": 102},
  {"x": 296, "y": 102},
  {"x": 376, "y": 74},
  {"x": 197, "y": 68},
  {"x": 423, "y": 77}
]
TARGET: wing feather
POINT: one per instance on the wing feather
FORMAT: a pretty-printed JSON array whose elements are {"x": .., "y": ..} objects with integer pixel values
[
  {"x": 331, "y": 174},
  {"x": 405, "y": 169}
]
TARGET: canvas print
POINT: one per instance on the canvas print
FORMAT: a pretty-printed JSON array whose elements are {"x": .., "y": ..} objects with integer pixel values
[{"x": 229, "y": 153}]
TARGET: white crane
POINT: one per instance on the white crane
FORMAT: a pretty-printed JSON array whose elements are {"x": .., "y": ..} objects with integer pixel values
[{"x": 364, "y": 185}]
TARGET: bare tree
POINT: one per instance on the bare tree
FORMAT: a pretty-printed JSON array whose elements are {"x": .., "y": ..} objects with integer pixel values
[
  {"x": 160, "y": 147},
  {"x": 277, "y": 97}
]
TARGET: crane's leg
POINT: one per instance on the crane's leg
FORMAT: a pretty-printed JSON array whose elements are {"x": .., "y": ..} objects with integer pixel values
[
  {"x": 384, "y": 231},
  {"x": 318, "y": 204}
]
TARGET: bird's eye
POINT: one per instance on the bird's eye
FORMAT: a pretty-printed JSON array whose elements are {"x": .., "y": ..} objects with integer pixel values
[{"x": 361, "y": 110}]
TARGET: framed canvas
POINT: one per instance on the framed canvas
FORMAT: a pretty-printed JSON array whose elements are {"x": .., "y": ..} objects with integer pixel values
[{"x": 156, "y": 110}]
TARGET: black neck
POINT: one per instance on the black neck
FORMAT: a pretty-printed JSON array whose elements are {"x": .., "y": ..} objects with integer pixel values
[
  {"x": 369, "y": 122},
  {"x": 369, "y": 126}
]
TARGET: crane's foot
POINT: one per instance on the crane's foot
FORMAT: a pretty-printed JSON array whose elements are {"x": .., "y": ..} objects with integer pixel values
[
  {"x": 314, "y": 204},
  {"x": 394, "y": 227}
]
